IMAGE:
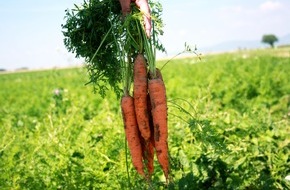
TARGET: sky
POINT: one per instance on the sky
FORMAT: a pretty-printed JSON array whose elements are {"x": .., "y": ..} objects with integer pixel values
[{"x": 31, "y": 34}]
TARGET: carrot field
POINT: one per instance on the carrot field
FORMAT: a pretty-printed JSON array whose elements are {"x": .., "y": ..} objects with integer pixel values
[{"x": 228, "y": 127}]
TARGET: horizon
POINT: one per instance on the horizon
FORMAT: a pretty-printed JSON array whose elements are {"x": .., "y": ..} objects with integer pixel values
[{"x": 283, "y": 51}]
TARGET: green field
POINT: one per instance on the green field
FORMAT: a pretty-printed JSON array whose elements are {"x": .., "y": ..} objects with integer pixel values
[{"x": 228, "y": 118}]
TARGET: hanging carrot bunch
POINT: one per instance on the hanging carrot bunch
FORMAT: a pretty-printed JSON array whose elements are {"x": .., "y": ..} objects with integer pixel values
[{"x": 118, "y": 52}]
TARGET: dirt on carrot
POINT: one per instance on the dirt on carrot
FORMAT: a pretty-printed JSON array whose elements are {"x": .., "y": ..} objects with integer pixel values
[{"x": 159, "y": 74}]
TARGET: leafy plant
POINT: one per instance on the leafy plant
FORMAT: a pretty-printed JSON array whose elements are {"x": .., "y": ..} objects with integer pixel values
[
  {"x": 95, "y": 31},
  {"x": 88, "y": 29}
]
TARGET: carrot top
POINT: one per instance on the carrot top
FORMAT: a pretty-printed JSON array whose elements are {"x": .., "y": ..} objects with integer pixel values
[{"x": 94, "y": 31}]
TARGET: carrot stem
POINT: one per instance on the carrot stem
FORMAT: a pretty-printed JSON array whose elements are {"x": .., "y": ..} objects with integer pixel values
[{"x": 101, "y": 43}]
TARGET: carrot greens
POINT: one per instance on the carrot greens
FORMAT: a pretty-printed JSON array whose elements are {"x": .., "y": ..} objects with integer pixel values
[{"x": 96, "y": 31}]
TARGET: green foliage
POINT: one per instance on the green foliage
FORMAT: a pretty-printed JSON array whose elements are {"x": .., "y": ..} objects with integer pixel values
[
  {"x": 228, "y": 128},
  {"x": 269, "y": 39},
  {"x": 237, "y": 135},
  {"x": 88, "y": 29},
  {"x": 96, "y": 31}
]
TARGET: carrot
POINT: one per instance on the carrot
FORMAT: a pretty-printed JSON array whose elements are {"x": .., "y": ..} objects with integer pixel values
[
  {"x": 157, "y": 94},
  {"x": 132, "y": 132},
  {"x": 148, "y": 154},
  {"x": 149, "y": 148},
  {"x": 140, "y": 95},
  {"x": 150, "y": 151}
]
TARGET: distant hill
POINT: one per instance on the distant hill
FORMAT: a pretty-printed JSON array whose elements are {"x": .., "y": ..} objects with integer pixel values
[
  {"x": 284, "y": 40},
  {"x": 239, "y": 44}
]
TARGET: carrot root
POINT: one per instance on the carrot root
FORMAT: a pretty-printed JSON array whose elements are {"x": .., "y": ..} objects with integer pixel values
[
  {"x": 140, "y": 95},
  {"x": 132, "y": 133},
  {"x": 157, "y": 93}
]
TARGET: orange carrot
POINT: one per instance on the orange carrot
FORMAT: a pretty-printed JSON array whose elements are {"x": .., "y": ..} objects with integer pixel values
[
  {"x": 140, "y": 95},
  {"x": 148, "y": 154},
  {"x": 151, "y": 143},
  {"x": 132, "y": 133},
  {"x": 157, "y": 94}
]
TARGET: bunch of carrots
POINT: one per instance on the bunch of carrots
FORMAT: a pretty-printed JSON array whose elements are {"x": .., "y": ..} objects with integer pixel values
[
  {"x": 145, "y": 111},
  {"x": 145, "y": 119},
  {"x": 125, "y": 48}
]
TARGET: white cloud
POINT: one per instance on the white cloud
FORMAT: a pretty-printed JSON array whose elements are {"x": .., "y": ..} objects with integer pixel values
[{"x": 271, "y": 6}]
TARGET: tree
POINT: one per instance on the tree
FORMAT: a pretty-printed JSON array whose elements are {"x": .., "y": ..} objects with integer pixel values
[{"x": 269, "y": 39}]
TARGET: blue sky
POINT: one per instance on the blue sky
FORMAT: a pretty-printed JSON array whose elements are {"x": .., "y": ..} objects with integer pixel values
[{"x": 31, "y": 29}]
